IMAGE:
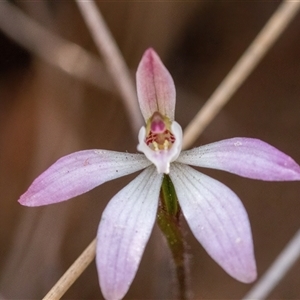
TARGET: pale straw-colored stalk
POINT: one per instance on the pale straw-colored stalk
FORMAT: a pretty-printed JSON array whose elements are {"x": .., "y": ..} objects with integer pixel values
[
  {"x": 113, "y": 59},
  {"x": 241, "y": 70},
  {"x": 266, "y": 38},
  {"x": 76, "y": 269},
  {"x": 284, "y": 261}
]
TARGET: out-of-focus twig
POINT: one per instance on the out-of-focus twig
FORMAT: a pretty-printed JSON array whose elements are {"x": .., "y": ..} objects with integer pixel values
[
  {"x": 242, "y": 69},
  {"x": 277, "y": 270},
  {"x": 113, "y": 59},
  {"x": 72, "y": 273},
  {"x": 65, "y": 55}
]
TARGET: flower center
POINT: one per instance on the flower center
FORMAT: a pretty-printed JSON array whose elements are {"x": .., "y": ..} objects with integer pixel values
[
  {"x": 158, "y": 133},
  {"x": 160, "y": 141}
]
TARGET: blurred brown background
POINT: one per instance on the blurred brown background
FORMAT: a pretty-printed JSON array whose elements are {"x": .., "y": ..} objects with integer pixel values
[{"x": 46, "y": 113}]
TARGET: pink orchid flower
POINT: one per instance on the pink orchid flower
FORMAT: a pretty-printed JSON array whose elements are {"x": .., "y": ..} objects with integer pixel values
[{"x": 214, "y": 213}]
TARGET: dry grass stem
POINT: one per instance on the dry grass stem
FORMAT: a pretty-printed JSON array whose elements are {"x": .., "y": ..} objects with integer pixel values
[
  {"x": 113, "y": 60},
  {"x": 285, "y": 260},
  {"x": 242, "y": 69},
  {"x": 76, "y": 269},
  {"x": 64, "y": 55}
]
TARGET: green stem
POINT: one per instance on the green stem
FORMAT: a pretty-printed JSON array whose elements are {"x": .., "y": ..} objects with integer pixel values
[{"x": 168, "y": 219}]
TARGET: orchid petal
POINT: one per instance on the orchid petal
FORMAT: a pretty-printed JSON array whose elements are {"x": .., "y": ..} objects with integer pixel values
[
  {"x": 78, "y": 173},
  {"x": 246, "y": 157},
  {"x": 124, "y": 230},
  {"x": 155, "y": 87},
  {"x": 217, "y": 219}
]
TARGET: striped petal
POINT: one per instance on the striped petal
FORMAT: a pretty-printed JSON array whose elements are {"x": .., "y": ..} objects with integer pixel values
[
  {"x": 155, "y": 87},
  {"x": 79, "y": 172},
  {"x": 124, "y": 230},
  {"x": 217, "y": 219},
  {"x": 246, "y": 157}
]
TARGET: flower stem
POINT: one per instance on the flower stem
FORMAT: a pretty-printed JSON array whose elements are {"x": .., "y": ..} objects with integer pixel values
[{"x": 168, "y": 219}]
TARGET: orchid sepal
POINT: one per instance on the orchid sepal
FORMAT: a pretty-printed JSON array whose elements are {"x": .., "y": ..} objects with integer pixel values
[
  {"x": 247, "y": 157},
  {"x": 123, "y": 232},
  {"x": 218, "y": 220},
  {"x": 155, "y": 87},
  {"x": 78, "y": 173}
]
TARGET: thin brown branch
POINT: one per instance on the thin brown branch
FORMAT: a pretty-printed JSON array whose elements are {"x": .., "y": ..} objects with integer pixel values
[
  {"x": 242, "y": 69},
  {"x": 76, "y": 269},
  {"x": 64, "y": 55},
  {"x": 113, "y": 59}
]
